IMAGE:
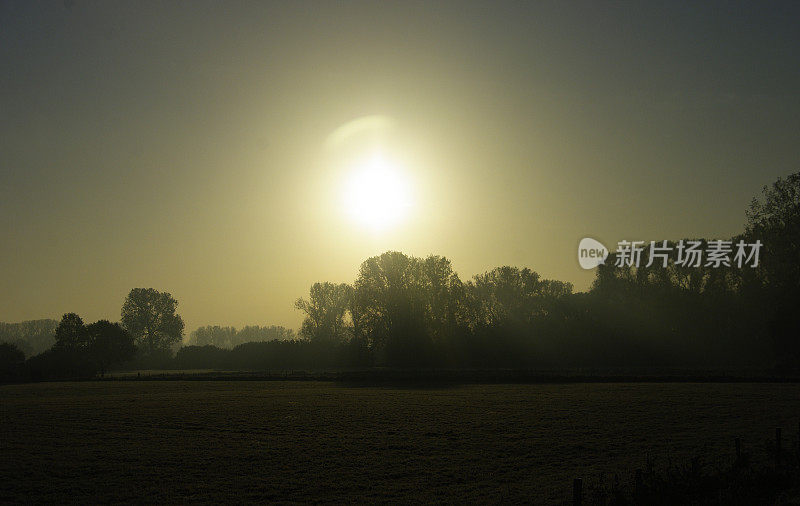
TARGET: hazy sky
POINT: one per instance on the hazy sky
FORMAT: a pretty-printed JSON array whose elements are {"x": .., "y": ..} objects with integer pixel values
[{"x": 181, "y": 145}]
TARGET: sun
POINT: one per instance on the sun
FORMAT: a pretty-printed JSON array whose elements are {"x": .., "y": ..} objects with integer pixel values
[{"x": 377, "y": 194}]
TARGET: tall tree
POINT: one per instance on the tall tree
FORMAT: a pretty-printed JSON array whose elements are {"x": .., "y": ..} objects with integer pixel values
[
  {"x": 150, "y": 317},
  {"x": 443, "y": 294},
  {"x": 402, "y": 306},
  {"x": 508, "y": 295},
  {"x": 70, "y": 333},
  {"x": 109, "y": 344},
  {"x": 387, "y": 290},
  {"x": 325, "y": 311},
  {"x": 775, "y": 221}
]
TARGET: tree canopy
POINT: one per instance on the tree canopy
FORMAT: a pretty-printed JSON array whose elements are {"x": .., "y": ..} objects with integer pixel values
[{"x": 150, "y": 316}]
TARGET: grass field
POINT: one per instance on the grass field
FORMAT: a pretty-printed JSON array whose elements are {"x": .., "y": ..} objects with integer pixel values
[{"x": 204, "y": 441}]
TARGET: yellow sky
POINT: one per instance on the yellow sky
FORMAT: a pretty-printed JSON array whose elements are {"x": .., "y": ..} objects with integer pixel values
[{"x": 187, "y": 148}]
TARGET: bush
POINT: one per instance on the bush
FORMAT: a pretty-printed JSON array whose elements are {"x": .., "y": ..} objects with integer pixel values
[{"x": 12, "y": 360}]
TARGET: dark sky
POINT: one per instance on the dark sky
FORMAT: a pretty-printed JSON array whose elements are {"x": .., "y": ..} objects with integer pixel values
[{"x": 180, "y": 145}]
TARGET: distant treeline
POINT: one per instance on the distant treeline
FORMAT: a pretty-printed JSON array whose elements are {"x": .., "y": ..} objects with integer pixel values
[
  {"x": 30, "y": 337},
  {"x": 409, "y": 312},
  {"x": 229, "y": 337}
]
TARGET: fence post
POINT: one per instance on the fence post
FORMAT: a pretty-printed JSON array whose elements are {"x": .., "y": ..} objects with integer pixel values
[
  {"x": 577, "y": 491},
  {"x": 778, "y": 446}
]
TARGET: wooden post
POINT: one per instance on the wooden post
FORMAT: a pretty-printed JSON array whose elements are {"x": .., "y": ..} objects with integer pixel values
[
  {"x": 577, "y": 491},
  {"x": 778, "y": 446},
  {"x": 738, "y": 449}
]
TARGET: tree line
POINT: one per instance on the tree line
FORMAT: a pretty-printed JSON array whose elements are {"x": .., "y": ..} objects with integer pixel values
[
  {"x": 408, "y": 312},
  {"x": 148, "y": 329},
  {"x": 403, "y": 311},
  {"x": 146, "y": 337},
  {"x": 230, "y": 337},
  {"x": 30, "y": 337}
]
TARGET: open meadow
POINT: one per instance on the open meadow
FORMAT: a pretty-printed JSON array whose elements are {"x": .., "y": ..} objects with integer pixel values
[{"x": 234, "y": 441}]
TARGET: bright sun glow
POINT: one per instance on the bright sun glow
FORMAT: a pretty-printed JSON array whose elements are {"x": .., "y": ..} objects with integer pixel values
[{"x": 376, "y": 194}]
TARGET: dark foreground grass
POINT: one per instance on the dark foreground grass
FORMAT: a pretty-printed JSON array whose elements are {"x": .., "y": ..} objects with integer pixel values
[{"x": 204, "y": 441}]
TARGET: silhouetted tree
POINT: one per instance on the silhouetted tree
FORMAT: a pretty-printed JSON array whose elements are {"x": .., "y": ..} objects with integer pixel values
[
  {"x": 443, "y": 296},
  {"x": 11, "y": 361},
  {"x": 325, "y": 311},
  {"x": 505, "y": 295},
  {"x": 70, "y": 333},
  {"x": 392, "y": 308},
  {"x": 150, "y": 317},
  {"x": 109, "y": 344},
  {"x": 775, "y": 221},
  {"x": 69, "y": 356}
]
